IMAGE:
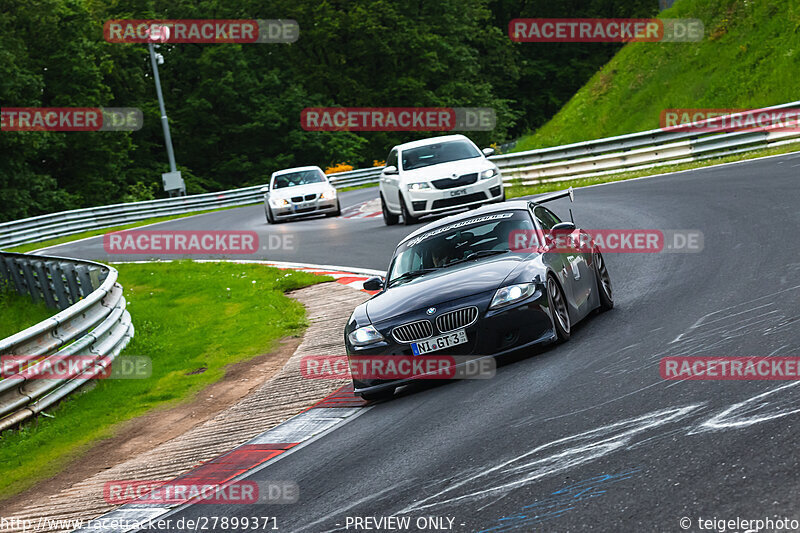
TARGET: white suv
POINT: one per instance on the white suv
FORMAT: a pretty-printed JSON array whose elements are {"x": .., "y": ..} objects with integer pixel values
[{"x": 435, "y": 175}]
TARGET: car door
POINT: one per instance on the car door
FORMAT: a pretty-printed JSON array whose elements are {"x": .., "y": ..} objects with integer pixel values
[
  {"x": 572, "y": 269},
  {"x": 390, "y": 183}
]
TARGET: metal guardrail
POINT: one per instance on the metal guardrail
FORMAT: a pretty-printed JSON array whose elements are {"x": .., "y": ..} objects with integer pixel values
[
  {"x": 624, "y": 153},
  {"x": 89, "y": 332},
  {"x": 64, "y": 223},
  {"x": 637, "y": 151}
]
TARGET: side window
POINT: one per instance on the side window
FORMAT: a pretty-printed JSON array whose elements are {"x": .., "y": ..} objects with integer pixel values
[
  {"x": 545, "y": 217},
  {"x": 391, "y": 161}
]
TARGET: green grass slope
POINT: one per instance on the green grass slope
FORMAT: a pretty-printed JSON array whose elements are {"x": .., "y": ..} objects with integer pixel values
[
  {"x": 749, "y": 58},
  {"x": 17, "y": 312}
]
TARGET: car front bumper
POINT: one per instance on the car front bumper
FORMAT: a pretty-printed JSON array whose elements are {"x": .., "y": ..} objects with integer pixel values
[
  {"x": 431, "y": 201},
  {"x": 496, "y": 332},
  {"x": 299, "y": 209}
]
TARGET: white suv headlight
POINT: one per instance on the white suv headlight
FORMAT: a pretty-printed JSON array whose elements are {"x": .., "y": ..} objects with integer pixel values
[
  {"x": 365, "y": 336},
  {"x": 486, "y": 174},
  {"x": 512, "y": 293},
  {"x": 418, "y": 186}
]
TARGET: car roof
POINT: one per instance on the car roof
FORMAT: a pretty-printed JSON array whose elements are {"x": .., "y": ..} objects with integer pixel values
[
  {"x": 430, "y": 140},
  {"x": 485, "y": 210},
  {"x": 295, "y": 169}
]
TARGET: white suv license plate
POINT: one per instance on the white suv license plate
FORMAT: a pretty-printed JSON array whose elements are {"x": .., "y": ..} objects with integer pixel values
[{"x": 439, "y": 343}]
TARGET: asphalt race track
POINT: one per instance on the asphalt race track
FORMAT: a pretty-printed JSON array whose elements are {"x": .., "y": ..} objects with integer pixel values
[{"x": 585, "y": 435}]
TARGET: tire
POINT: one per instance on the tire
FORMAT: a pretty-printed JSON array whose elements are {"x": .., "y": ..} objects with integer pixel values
[
  {"x": 270, "y": 216},
  {"x": 388, "y": 218},
  {"x": 559, "y": 309},
  {"x": 338, "y": 211},
  {"x": 387, "y": 394},
  {"x": 407, "y": 219},
  {"x": 604, "y": 289}
]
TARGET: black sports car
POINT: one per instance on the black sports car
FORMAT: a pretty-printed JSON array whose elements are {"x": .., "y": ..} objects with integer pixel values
[{"x": 458, "y": 286}]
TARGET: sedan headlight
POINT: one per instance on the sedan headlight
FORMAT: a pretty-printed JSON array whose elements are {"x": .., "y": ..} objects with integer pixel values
[
  {"x": 328, "y": 195},
  {"x": 512, "y": 293},
  {"x": 418, "y": 186},
  {"x": 486, "y": 174},
  {"x": 365, "y": 336},
  {"x": 278, "y": 202}
]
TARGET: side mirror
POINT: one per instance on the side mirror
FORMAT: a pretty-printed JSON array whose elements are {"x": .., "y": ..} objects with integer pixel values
[
  {"x": 564, "y": 226},
  {"x": 391, "y": 169},
  {"x": 488, "y": 151},
  {"x": 374, "y": 283},
  {"x": 264, "y": 189}
]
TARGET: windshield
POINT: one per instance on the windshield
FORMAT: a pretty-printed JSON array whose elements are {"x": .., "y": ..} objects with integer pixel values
[
  {"x": 473, "y": 239},
  {"x": 304, "y": 177},
  {"x": 433, "y": 154}
]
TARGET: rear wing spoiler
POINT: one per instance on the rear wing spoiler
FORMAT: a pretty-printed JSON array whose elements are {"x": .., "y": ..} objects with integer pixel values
[{"x": 554, "y": 196}]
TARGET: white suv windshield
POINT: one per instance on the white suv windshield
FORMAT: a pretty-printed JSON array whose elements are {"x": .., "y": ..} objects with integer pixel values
[{"x": 433, "y": 154}]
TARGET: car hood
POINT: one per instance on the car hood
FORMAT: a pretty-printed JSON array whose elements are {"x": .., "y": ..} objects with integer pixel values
[
  {"x": 446, "y": 170},
  {"x": 440, "y": 287},
  {"x": 300, "y": 190}
]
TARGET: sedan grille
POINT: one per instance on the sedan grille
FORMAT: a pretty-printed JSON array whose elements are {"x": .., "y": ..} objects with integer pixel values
[
  {"x": 297, "y": 199},
  {"x": 460, "y": 181},
  {"x": 460, "y": 318},
  {"x": 459, "y": 200},
  {"x": 413, "y": 331},
  {"x": 310, "y": 196}
]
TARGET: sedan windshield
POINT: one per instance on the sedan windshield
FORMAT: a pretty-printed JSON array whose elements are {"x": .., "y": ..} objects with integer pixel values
[
  {"x": 433, "y": 154},
  {"x": 304, "y": 177},
  {"x": 473, "y": 239}
]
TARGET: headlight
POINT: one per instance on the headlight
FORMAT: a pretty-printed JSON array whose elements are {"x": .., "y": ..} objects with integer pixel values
[
  {"x": 486, "y": 174},
  {"x": 364, "y": 336},
  {"x": 511, "y": 294},
  {"x": 418, "y": 186},
  {"x": 328, "y": 195},
  {"x": 278, "y": 202}
]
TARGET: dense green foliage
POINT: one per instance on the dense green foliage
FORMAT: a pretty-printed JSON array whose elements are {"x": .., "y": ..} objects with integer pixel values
[
  {"x": 234, "y": 109},
  {"x": 749, "y": 59}
]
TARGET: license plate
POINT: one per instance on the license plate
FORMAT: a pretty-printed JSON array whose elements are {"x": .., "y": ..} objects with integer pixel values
[
  {"x": 459, "y": 192},
  {"x": 439, "y": 343}
]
